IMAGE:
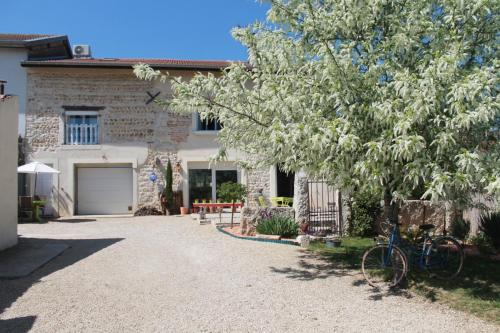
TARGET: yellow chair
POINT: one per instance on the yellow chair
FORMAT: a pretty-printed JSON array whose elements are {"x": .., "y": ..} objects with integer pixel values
[{"x": 262, "y": 201}]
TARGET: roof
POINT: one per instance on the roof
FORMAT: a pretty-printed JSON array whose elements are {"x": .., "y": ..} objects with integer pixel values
[
  {"x": 22, "y": 37},
  {"x": 26, "y": 40},
  {"x": 129, "y": 62}
]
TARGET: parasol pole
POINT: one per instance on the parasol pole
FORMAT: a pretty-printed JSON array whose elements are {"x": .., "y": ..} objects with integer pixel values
[{"x": 34, "y": 189}]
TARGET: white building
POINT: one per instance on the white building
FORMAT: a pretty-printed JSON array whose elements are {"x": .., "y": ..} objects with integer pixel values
[
  {"x": 15, "y": 48},
  {"x": 8, "y": 177}
]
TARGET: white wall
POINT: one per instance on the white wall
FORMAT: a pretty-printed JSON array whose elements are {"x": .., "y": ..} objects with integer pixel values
[
  {"x": 8, "y": 177},
  {"x": 15, "y": 75}
]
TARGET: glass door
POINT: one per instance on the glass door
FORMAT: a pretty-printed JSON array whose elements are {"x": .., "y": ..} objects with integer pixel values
[
  {"x": 224, "y": 176},
  {"x": 200, "y": 185}
]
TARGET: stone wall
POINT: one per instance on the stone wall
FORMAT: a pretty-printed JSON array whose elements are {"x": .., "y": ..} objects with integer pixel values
[
  {"x": 148, "y": 191},
  {"x": 258, "y": 183},
  {"x": 125, "y": 116},
  {"x": 251, "y": 216},
  {"x": 418, "y": 212},
  {"x": 301, "y": 197}
]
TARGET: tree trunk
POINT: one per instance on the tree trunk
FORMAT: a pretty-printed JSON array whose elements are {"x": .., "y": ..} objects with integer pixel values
[
  {"x": 232, "y": 213},
  {"x": 391, "y": 208}
]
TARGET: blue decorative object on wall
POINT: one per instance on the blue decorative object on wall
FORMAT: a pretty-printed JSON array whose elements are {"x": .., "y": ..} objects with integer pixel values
[{"x": 153, "y": 177}]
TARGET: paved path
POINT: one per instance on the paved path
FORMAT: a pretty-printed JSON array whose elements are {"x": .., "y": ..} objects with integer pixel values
[{"x": 168, "y": 274}]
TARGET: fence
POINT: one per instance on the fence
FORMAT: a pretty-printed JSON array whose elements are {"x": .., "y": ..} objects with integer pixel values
[{"x": 322, "y": 209}]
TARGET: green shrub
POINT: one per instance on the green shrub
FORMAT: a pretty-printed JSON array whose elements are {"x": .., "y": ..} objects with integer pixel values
[
  {"x": 490, "y": 225},
  {"x": 483, "y": 243},
  {"x": 365, "y": 207},
  {"x": 278, "y": 225},
  {"x": 168, "y": 191},
  {"x": 460, "y": 228}
]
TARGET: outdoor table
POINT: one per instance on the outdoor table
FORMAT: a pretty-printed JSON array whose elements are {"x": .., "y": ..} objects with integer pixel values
[{"x": 219, "y": 206}]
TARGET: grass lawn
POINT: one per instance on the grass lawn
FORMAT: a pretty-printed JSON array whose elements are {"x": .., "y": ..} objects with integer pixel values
[{"x": 476, "y": 290}]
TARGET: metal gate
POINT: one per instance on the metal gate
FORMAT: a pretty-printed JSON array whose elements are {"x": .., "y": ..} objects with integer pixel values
[{"x": 322, "y": 209}]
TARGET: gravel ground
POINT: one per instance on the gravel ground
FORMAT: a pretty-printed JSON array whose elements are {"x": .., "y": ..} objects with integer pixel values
[{"x": 158, "y": 274}]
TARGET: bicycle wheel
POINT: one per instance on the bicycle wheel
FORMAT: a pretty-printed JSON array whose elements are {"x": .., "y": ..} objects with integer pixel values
[
  {"x": 382, "y": 269},
  {"x": 445, "y": 257}
]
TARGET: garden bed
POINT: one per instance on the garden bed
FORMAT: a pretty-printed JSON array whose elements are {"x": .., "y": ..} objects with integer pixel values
[{"x": 235, "y": 232}]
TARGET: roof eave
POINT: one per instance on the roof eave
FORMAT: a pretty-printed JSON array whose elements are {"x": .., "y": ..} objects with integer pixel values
[{"x": 120, "y": 65}]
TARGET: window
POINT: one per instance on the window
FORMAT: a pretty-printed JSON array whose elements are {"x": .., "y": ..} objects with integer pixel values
[
  {"x": 207, "y": 124},
  {"x": 203, "y": 183},
  {"x": 82, "y": 128}
]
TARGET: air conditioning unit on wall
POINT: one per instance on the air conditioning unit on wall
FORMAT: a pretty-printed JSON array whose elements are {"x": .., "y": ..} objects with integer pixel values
[{"x": 81, "y": 51}]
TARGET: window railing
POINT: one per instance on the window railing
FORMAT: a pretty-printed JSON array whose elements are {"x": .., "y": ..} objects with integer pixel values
[{"x": 82, "y": 134}]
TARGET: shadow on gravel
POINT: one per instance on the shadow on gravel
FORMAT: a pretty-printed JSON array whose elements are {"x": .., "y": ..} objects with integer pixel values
[
  {"x": 312, "y": 267},
  {"x": 74, "y": 220},
  {"x": 11, "y": 290}
]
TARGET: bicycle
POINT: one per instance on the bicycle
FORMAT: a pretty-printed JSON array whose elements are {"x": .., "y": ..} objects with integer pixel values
[{"x": 386, "y": 264}]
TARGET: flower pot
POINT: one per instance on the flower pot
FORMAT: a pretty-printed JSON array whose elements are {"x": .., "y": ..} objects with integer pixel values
[
  {"x": 333, "y": 242},
  {"x": 184, "y": 210}
]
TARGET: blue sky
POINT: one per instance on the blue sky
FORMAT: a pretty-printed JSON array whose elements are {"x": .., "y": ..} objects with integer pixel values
[{"x": 183, "y": 29}]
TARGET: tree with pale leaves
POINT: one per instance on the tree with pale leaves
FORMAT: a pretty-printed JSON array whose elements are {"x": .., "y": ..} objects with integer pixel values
[{"x": 397, "y": 97}]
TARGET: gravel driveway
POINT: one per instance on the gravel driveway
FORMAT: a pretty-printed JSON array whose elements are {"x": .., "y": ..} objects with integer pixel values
[{"x": 157, "y": 274}]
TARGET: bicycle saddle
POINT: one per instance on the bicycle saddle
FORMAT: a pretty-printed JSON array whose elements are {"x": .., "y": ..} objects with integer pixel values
[{"x": 426, "y": 226}]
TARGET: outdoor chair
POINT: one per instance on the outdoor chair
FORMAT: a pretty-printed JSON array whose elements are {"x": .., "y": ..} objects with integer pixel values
[{"x": 25, "y": 208}]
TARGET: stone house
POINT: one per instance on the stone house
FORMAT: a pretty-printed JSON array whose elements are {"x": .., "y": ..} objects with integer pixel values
[{"x": 94, "y": 121}]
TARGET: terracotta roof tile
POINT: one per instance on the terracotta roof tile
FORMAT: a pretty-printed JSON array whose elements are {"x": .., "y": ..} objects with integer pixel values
[
  {"x": 128, "y": 62},
  {"x": 22, "y": 37}
]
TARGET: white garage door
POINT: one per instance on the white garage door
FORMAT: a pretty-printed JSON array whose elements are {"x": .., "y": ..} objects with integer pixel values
[{"x": 104, "y": 191}]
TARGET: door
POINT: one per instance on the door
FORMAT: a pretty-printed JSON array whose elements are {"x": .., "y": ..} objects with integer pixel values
[
  {"x": 200, "y": 185},
  {"x": 285, "y": 183},
  {"x": 104, "y": 191},
  {"x": 225, "y": 176}
]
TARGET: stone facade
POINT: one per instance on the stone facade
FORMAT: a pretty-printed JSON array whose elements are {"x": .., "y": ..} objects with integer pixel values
[
  {"x": 251, "y": 216},
  {"x": 149, "y": 192},
  {"x": 301, "y": 197},
  {"x": 131, "y": 132},
  {"x": 418, "y": 212}
]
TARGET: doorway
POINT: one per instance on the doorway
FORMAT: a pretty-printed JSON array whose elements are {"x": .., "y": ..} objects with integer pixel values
[
  {"x": 203, "y": 183},
  {"x": 285, "y": 183}
]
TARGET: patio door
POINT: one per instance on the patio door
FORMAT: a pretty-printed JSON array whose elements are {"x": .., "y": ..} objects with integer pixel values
[
  {"x": 224, "y": 176},
  {"x": 200, "y": 185},
  {"x": 203, "y": 183}
]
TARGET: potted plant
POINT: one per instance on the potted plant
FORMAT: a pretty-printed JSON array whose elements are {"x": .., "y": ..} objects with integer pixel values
[
  {"x": 212, "y": 209},
  {"x": 184, "y": 210},
  {"x": 232, "y": 192},
  {"x": 333, "y": 242}
]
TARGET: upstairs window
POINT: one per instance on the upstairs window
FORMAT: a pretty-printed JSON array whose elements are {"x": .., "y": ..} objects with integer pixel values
[
  {"x": 207, "y": 124},
  {"x": 82, "y": 128}
]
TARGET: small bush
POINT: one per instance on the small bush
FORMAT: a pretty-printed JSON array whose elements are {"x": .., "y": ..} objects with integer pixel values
[
  {"x": 460, "y": 228},
  {"x": 147, "y": 211},
  {"x": 278, "y": 225},
  {"x": 483, "y": 243},
  {"x": 490, "y": 225},
  {"x": 365, "y": 207}
]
